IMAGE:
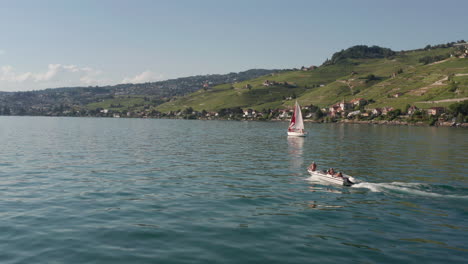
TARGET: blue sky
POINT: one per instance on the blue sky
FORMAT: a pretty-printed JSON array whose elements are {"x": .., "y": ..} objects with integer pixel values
[{"x": 48, "y": 44}]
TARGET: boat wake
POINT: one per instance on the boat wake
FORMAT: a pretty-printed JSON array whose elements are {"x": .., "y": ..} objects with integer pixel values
[{"x": 418, "y": 189}]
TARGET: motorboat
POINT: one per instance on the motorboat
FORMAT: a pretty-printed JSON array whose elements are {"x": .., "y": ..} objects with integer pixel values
[{"x": 345, "y": 180}]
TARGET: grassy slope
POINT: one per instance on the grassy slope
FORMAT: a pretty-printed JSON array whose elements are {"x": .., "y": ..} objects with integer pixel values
[
  {"x": 420, "y": 84},
  {"x": 259, "y": 97},
  {"x": 119, "y": 103},
  {"x": 416, "y": 84}
]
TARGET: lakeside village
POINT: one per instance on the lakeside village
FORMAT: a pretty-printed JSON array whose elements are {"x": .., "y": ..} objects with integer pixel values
[{"x": 354, "y": 111}]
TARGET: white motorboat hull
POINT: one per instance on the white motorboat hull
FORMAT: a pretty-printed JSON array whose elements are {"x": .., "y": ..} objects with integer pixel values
[
  {"x": 296, "y": 134},
  {"x": 346, "y": 180}
]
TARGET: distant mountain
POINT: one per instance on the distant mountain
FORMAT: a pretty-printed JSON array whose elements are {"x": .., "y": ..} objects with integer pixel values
[{"x": 70, "y": 99}]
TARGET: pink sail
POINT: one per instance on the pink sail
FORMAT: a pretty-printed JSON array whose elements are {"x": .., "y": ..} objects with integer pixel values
[{"x": 292, "y": 123}]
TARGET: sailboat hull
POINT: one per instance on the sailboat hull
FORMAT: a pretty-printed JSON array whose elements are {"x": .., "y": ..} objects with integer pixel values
[{"x": 297, "y": 134}]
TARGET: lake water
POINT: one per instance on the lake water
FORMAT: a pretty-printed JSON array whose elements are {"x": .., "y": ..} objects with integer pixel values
[{"x": 96, "y": 190}]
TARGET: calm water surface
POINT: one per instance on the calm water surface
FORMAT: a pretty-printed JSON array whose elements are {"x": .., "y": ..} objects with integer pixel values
[{"x": 91, "y": 190}]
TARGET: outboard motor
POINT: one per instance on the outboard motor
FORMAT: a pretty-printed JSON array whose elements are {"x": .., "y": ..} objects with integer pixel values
[{"x": 348, "y": 181}]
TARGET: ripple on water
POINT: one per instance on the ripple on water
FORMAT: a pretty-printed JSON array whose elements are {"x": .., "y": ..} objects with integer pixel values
[{"x": 173, "y": 191}]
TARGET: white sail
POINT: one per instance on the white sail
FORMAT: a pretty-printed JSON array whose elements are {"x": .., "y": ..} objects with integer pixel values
[{"x": 299, "y": 121}]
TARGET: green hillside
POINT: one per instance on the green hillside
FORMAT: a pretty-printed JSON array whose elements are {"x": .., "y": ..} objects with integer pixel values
[
  {"x": 386, "y": 78},
  {"x": 118, "y": 99}
]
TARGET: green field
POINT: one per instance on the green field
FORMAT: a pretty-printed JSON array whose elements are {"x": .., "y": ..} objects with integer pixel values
[{"x": 124, "y": 103}]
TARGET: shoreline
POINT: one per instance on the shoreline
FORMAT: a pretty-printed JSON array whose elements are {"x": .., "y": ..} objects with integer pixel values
[
  {"x": 403, "y": 123},
  {"x": 345, "y": 121}
]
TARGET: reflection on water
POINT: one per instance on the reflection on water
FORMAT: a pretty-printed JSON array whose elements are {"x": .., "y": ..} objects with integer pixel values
[
  {"x": 295, "y": 151},
  {"x": 321, "y": 188},
  {"x": 325, "y": 207}
]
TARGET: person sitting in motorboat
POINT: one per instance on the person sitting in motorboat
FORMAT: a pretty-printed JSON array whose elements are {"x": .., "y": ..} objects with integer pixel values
[
  {"x": 313, "y": 166},
  {"x": 339, "y": 174},
  {"x": 331, "y": 171}
]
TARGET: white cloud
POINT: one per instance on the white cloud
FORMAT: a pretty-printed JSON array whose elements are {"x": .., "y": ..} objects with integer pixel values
[
  {"x": 55, "y": 72},
  {"x": 51, "y": 72},
  {"x": 8, "y": 74},
  {"x": 63, "y": 75},
  {"x": 90, "y": 76},
  {"x": 146, "y": 76},
  {"x": 72, "y": 68}
]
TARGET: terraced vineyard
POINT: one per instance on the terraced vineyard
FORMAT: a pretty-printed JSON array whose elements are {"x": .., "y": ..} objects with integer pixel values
[{"x": 396, "y": 80}]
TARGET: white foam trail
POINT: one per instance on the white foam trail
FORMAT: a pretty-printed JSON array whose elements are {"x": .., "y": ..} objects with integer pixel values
[
  {"x": 373, "y": 187},
  {"x": 401, "y": 187},
  {"x": 380, "y": 187}
]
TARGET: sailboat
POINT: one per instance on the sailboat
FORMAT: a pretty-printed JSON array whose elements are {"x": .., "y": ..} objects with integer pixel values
[{"x": 296, "y": 125}]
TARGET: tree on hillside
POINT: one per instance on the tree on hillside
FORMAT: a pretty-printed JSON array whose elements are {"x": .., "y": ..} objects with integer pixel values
[
  {"x": 360, "y": 52},
  {"x": 5, "y": 111},
  {"x": 430, "y": 59},
  {"x": 459, "y": 110},
  {"x": 407, "y": 107},
  {"x": 453, "y": 86},
  {"x": 371, "y": 77},
  {"x": 188, "y": 110},
  {"x": 318, "y": 114}
]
